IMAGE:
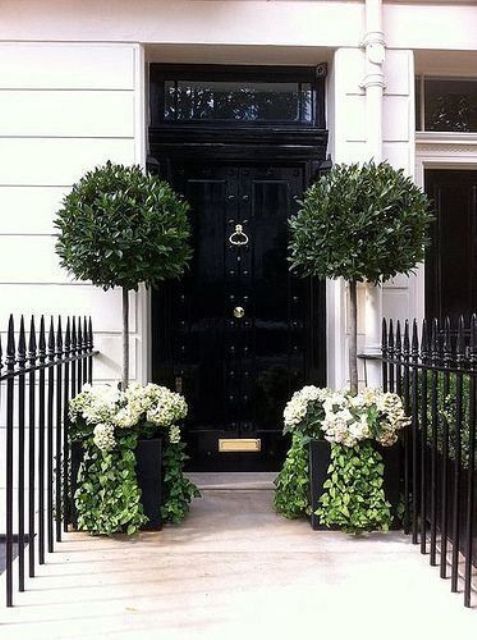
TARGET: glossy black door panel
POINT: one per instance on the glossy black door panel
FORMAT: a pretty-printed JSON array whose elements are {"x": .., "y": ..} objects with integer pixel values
[{"x": 236, "y": 335}]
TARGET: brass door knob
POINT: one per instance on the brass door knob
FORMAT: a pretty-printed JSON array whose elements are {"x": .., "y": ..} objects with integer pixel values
[{"x": 239, "y": 312}]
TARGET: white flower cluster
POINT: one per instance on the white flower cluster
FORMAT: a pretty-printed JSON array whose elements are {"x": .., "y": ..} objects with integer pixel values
[
  {"x": 103, "y": 436},
  {"x": 348, "y": 419},
  {"x": 168, "y": 408},
  {"x": 107, "y": 409},
  {"x": 95, "y": 405},
  {"x": 174, "y": 434},
  {"x": 342, "y": 424},
  {"x": 393, "y": 418},
  {"x": 297, "y": 408}
]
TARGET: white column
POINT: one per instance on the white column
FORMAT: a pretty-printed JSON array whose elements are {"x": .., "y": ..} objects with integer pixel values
[{"x": 373, "y": 84}]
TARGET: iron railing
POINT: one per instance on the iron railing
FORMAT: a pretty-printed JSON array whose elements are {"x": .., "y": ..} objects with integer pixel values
[
  {"x": 40, "y": 372},
  {"x": 434, "y": 369}
]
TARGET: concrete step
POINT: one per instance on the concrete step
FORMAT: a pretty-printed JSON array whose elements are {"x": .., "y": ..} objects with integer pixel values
[{"x": 233, "y": 480}]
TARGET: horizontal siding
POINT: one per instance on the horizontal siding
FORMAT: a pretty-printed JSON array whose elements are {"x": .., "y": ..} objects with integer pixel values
[
  {"x": 51, "y": 299},
  {"x": 30, "y": 259},
  {"x": 60, "y": 161},
  {"x": 85, "y": 114},
  {"x": 66, "y": 66},
  {"x": 64, "y": 109},
  {"x": 19, "y": 214}
]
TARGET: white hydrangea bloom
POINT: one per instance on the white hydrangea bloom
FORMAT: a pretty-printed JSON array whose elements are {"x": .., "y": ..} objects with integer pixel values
[
  {"x": 168, "y": 408},
  {"x": 127, "y": 417},
  {"x": 95, "y": 404},
  {"x": 334, "y": 402},
  {"x": 296, "y": 409},
  {"x": 394, "y": 418},
  {"x": 174, "y": 434},
  {"x": 350, "y": 419},
  {"x": 103, "y": 437},
  {"x": 369, "y": 395}
]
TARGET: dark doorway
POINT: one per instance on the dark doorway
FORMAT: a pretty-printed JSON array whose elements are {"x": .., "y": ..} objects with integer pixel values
[
  {"x": 238, "y": 334},
  {"x": 451, "y": 261}
]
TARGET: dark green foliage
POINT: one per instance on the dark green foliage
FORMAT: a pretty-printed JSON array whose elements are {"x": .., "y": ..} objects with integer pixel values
[
  {"x": 120, "y": 227},
  {"x": 178, "y": 490},
  {"x": 108, "y": 498},
  {"x": 446, "y": 413},
  {"x": 361, "y": 223},
  {"x": 292, "y": 494},
  {"x": 354, "y": 497}
]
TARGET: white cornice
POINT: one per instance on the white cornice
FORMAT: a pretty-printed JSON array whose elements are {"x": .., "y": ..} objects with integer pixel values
[{"x": 445, "y": 138}]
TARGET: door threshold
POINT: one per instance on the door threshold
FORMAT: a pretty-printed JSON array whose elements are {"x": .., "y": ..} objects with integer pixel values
[{"x": 233, "y": 480}]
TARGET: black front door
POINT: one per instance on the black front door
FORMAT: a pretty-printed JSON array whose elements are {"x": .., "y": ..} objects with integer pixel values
[
  {"x": 451, "y": 261},
  {"x": 238, "y": 334}
]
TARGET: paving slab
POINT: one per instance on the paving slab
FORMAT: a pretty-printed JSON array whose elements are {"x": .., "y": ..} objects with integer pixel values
[{"x": 235, "y": 569}]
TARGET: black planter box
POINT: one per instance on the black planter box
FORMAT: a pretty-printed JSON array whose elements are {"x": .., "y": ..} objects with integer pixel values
[
  {"x": 320, "y": 457},
  {"x": 149, "y": 478}
]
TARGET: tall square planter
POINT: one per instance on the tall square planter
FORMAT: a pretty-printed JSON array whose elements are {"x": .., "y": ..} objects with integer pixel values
[
  {"x": 149, "y": 477},
  {"x": 319, "y": 461}
]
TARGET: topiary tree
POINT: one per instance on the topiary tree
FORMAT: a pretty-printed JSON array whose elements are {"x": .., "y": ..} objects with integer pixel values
[
  {"x": 120, "y": 227},
  {"x": 362, "y": 223}
]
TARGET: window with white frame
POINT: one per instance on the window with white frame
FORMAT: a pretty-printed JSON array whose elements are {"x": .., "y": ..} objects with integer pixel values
[{"x": 446, "y": 104}]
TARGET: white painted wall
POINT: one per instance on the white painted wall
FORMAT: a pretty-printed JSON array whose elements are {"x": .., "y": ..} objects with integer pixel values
[
  {"x": 64, "y": 108},
  {"x": 249, "y": 22}
]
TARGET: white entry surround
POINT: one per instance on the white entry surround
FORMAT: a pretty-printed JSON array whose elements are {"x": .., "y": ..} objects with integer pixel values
[{"x": 73, "y": 93}]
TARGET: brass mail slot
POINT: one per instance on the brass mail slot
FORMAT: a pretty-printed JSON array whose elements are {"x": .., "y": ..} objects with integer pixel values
[{"x": 233, "y": 445}]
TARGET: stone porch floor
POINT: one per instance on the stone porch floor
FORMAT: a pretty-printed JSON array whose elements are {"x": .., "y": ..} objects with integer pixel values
[{"x": 235, "y": 569}]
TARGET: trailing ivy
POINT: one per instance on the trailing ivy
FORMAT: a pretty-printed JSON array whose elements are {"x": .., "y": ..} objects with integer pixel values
[
  {"x": 108, "y": 498},
  {"x": 178, "y": 490},
  {"x": 354, "y": 498},
  {"x": 107, "y": 423},
  {"x": 292, "y": 494}
]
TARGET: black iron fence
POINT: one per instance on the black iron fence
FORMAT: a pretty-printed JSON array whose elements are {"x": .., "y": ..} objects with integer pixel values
[
  {"x": 434, "y": 369},
  {"x": 40, "y": 371}
]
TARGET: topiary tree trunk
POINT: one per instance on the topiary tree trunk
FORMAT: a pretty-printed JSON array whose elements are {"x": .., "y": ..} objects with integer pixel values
[
  {"x": 353, "y": 336},
  {"x": 125, "y": 367}
]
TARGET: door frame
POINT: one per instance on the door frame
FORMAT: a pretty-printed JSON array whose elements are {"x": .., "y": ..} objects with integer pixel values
[
  {"x": 438, "y": 150},
  {"x": 302, "y": 145}
]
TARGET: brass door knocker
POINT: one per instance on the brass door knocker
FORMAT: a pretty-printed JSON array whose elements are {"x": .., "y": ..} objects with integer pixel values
[{"x": 238, "y": 238}]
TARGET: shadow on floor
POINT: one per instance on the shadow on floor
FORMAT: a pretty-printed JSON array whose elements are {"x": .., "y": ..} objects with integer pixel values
[{"x": 3, "y": 549}]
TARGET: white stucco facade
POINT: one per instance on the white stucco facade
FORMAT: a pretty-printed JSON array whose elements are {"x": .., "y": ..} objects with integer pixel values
[{"x": 73, "y": 93}]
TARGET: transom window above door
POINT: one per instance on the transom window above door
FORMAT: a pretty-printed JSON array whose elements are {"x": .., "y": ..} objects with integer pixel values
[
  {"x": 217, "y": 94},
  {"x": 446, "y": 104}
]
